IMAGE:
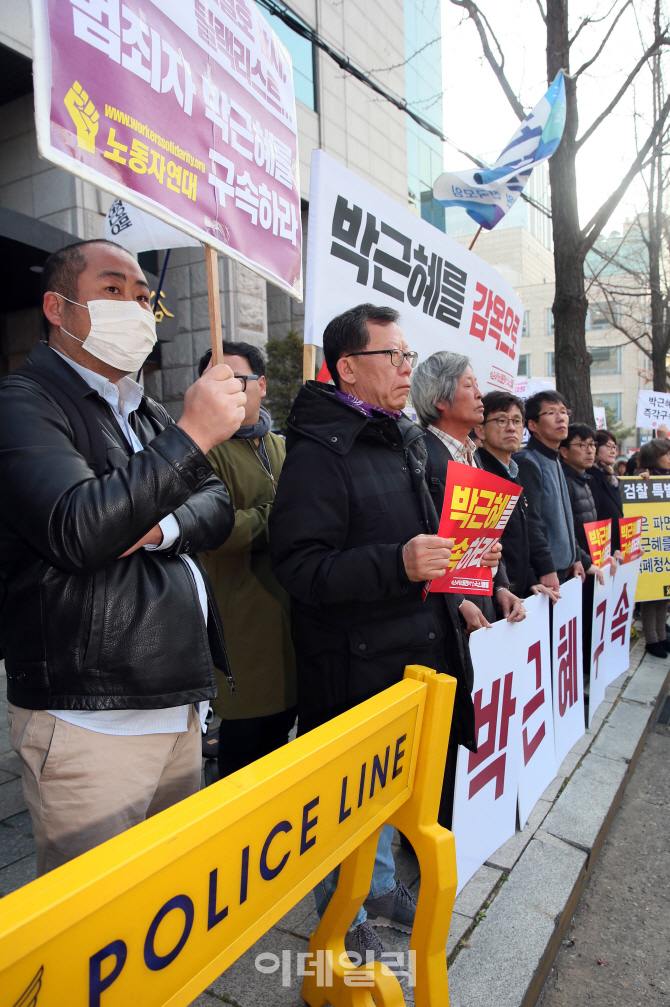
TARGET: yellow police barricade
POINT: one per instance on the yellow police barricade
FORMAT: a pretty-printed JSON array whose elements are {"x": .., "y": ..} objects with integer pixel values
[{"x": 153, "y": 916}]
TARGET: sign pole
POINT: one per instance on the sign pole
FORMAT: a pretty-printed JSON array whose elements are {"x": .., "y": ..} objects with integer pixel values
[
  {"x": 308, "y": 362},
  {"x": 211, "y": 261}
]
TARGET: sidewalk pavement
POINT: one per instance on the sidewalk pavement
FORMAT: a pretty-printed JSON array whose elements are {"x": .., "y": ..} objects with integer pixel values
[{"x": 509, "y": 919}]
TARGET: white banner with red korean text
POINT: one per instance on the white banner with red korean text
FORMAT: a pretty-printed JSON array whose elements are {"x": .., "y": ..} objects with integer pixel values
[
  {"x": 485, "y": 798},
  {"x": 567, "y": 665},
  {"x": 621, "y": 617},
  {"x": 538, "y": 756},
  {"x": 600, "y": 634},
  {"x": 363, "y": 246}
]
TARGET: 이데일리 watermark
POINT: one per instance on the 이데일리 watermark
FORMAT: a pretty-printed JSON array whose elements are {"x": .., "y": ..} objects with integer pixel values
[{"x": 320, "y": 965}]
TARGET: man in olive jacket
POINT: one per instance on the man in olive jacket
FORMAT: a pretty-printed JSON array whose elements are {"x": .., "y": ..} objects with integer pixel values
[{"x": 254, "y": 608}]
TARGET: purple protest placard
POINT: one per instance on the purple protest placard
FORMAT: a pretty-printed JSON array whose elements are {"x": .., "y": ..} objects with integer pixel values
[{"x": 186, "y": 110}]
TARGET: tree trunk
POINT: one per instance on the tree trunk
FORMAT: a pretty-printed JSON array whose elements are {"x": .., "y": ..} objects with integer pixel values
[{"x": 573, "y": 376}]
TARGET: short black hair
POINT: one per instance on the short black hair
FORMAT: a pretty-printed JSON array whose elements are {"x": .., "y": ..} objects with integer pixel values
[
  {"x": 502, "y": 402},
  {"x": 603, "y": 436},
  {"x": 577, "y": 430},
  {"x": 251, "y": 354},
  {"x": 535, "y": 402},
  {"x": 348, "y": 333},
  {"x": 63, "y": 268}
]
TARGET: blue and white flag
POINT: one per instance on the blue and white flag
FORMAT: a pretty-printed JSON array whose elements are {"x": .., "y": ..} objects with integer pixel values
[{"x": 487, "y": 194}]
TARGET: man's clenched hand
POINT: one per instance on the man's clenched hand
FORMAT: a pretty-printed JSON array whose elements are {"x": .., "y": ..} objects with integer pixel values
[
  {"x": 426, "y": 557},
  {"x": 213, "y": 408}
]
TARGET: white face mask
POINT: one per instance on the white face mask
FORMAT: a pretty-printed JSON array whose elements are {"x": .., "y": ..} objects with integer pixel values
[{"x": 122, "y": 334}]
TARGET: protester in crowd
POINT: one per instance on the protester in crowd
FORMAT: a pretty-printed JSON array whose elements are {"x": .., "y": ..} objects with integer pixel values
[
  {"x": 578, "y": 452},
  {"x": 254, "y": 608},
  {"x": 352, "y": 536},
  {"x": 107, "y": 629},
  {"x": 551, "y": 526},
  {"x": 605, "y": 484},
  {"x": 501, "y": 432},
  {"x": 620, "y": 467},
  {"x": 631, "y": 465},
  {"x": 448, "y": 402},
  {"x": 654, "y": 459}
]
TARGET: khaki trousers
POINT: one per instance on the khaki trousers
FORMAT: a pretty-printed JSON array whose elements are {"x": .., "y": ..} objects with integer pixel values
[{"x": 82, "y": 788}]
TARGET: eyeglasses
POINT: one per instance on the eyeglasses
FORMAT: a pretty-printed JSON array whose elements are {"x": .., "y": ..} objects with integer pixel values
[
  {"x": 586, "y": 445},
  {"x": 398, "y": 357},
  {"x": 504, "y": 421},
  {"x": 246, "y": 377},
  {"x": 555, "y": 412}
]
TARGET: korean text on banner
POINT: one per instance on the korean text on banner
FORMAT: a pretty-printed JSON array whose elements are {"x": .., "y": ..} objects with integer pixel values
[
  {"x": 600, "y": 636},
  {"x": 363, "y": 246},
  {"x": 538, "y": 757},
  {"x": 485, "y": 798},
  {"x": 476, "y": 509},
  {"x": 568, "y": 688},
  {"x": 653, "y": 409},
  {"x": 649, "y": 500},
  {"x": 630, "y": 535},
  {"x": 621, "y": 617},
  {"x": 599, "y": 537},
  {"x": 184, "y": 109}
]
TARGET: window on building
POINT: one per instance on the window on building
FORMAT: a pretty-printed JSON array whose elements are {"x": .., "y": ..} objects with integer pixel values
[
  {"x": 524, "y": 366},
  {"x": 302, "y": 54},
  {"x": 525, "y": 331},
  {"x": 600, "y": 314},
  {"x": 551, "y": 365},
  {"x": 605, "y": 359},
  {"x": 550, "y": 322},
  {"x": 612, "y": 400}
]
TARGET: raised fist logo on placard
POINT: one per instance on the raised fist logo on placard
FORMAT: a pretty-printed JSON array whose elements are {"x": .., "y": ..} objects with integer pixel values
[{"x": 83, "y": 115}]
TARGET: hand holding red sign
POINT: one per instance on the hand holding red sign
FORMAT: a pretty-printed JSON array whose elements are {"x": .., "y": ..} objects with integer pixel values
[
  {"x": 476, "y": 509},
  {"x": 599, "y": 537},
  {"x": 630, "y": 532}
]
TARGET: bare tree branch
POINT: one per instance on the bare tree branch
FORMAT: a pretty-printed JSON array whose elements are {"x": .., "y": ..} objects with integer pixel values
[
  {"x": 542, "y": 12},
  {"x": 602, "y": 45},
  {"x": 591, "y": 20},
  {"x": 481, "y": 25},
  {"x": 662, "y": 40},
  {"x": 600, "y": 218}
]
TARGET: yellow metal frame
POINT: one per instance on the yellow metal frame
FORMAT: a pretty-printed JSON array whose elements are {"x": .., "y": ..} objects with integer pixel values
[{"x": 156, "y": 914}]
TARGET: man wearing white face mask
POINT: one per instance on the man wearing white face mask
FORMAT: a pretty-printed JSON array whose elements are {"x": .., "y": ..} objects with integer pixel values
[{"x": 106, "y": 625}]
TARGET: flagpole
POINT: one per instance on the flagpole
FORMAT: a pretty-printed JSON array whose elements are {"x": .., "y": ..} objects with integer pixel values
[{"x": 475, "y": 238}]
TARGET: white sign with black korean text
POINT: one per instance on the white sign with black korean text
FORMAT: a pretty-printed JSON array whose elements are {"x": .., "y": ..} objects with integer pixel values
[
  {"x": 364, "y": 246},
  {"x": 567, "y": 669},
  {"x": 600, "y": 635},
  {"x": 538, "y": 756},
  {"x": 485, "y": 799},
  {"x": 653, "y": 409}
]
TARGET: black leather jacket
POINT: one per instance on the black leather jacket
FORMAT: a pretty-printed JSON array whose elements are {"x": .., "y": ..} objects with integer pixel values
[{"x": 81, "y": 629}]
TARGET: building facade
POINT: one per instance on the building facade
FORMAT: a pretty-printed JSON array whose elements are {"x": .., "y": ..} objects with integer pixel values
[{"x": 43, "y": 207}]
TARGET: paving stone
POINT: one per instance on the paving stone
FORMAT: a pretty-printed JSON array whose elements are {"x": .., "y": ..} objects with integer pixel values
[
  {"x": 569, "y": 764},
  {"x": 4, "y": 741},
  {"x": 470, "y": 900},
  {"x": 14, "y": 845},
  {"x": 21, "y": 822},
  {"x": 17, "y": 875},
  {"x": 459, "y": 925},
  {"x": 206, "y": 1000},
  {"x": 508, "y": 854},
  {"x": 503, "y": 953},
  {"x": 11, "y": 798},
  {"x": 582, "y": 745},
  {"x": 647, "y": 682},
  {"x": 579, "y": 813},
  {"x": 248, "y": 987},
  {"x": 621, "y": 734},
  {"x": 551, "y": 793}
]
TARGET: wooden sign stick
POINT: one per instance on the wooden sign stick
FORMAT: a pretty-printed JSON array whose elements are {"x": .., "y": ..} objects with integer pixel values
[
  {"x": 211, "y": 261},
  {"x": 308, "y": 362}
]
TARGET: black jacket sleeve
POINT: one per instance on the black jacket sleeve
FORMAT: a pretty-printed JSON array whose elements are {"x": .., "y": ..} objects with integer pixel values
[
  {"x": 309, "y": 528},
  {"x": 530, "y": 478},
  {"x": 81, "y": 523}
]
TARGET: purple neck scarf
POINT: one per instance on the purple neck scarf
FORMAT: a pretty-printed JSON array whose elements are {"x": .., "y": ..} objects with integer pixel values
[{"x": 364, "y": 407}]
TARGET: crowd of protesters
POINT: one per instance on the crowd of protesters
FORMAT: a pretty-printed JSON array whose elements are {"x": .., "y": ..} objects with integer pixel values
[{"x": 149, "y": 568}]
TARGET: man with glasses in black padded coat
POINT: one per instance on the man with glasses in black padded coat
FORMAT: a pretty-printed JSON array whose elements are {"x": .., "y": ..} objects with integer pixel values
[{"x": 353, "y": 541}]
